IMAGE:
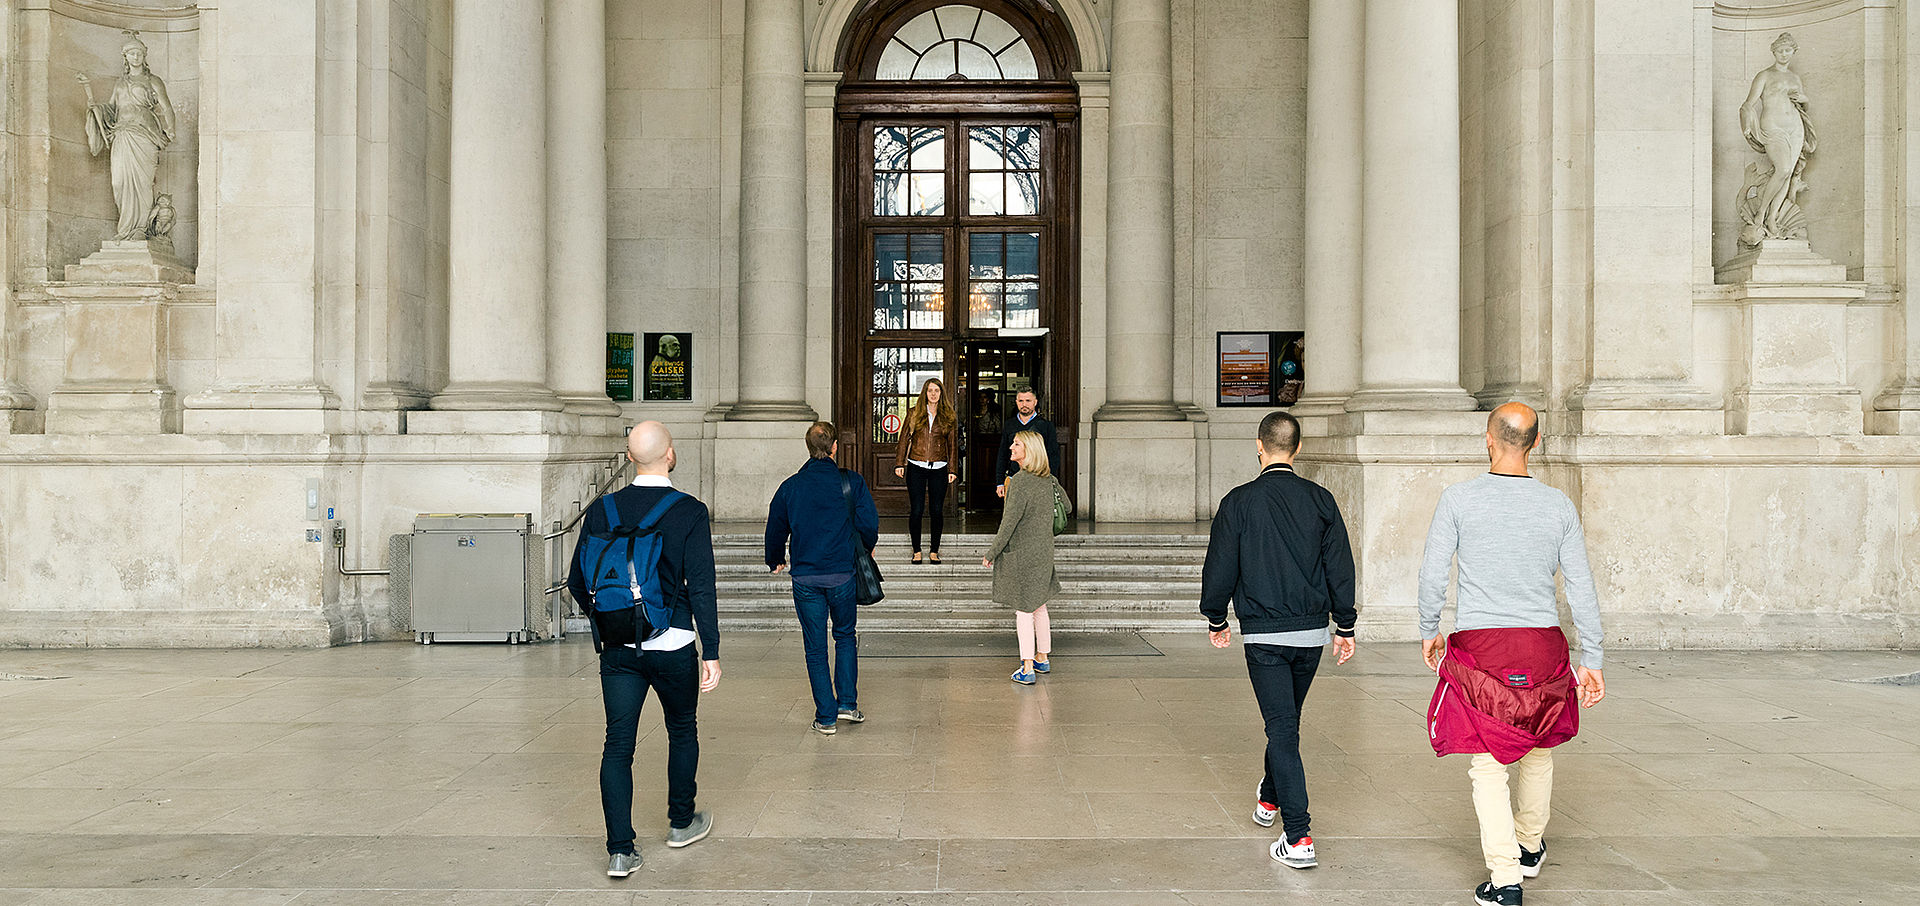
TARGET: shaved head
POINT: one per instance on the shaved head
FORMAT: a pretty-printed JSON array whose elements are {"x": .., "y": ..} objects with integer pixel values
[
  {"x": 649, "y": 445},
  {"x": 1514, "y": 426}
]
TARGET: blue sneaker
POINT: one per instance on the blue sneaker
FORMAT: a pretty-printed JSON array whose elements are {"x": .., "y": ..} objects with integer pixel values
[
  {"x": 1042, "y": 667},
  {"x": 1023, "y": 676}
]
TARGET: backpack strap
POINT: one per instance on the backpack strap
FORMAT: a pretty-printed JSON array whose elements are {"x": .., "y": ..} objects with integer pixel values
[{"x": 659, "y": 510}]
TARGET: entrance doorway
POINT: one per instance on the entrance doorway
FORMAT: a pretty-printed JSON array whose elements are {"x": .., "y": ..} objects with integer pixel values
[{"x": 955, "y": 232}]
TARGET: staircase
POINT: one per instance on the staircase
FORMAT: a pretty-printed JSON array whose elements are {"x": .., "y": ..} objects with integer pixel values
[{"x": 1116, "y": 582}]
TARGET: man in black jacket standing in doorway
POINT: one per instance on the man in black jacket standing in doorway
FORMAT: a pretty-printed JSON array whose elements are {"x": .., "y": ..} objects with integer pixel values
[
  {"x": 1279, "y": 552},
  {"x": 1027, "y": 417}
]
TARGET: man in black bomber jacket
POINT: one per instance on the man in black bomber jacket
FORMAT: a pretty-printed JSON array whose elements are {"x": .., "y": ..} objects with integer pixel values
[{"x": 1279, "y": 552}]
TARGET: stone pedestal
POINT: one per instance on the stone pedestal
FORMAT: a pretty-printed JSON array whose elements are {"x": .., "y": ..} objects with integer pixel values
[
  {"x": 131, "y": 261},
  {"x": 750, "y": 459},
  {"x": 1144, "y": 471},
  {"x": 1793, "y": 336},
  {"x": 115, "y": 379}
]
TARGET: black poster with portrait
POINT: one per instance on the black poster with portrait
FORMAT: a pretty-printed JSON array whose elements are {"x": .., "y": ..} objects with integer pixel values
[
  {"x": 1260, "y": 368},
  {"x": 668, "y": 359}
]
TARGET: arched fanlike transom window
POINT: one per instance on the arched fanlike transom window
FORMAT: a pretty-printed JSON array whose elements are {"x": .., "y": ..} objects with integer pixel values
[{"x": 956, "y": 42}]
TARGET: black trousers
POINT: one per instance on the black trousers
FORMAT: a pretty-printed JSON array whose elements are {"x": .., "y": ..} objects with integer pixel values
[
  {"x": 1281, "y": 675},
  {"x": 625, "y": 676},
  {"x": 925, "y": 486}
]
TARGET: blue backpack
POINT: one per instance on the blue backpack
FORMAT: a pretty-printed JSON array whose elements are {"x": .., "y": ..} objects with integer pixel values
[{"x": 623, "y": 567}]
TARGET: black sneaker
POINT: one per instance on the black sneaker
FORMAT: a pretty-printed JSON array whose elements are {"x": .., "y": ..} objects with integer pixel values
[
  {"x": 1530, "y": 861},
  {"x": 1488, "y": 895}
]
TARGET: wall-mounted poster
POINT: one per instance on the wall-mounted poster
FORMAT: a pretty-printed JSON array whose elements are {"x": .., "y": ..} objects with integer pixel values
[
  {"x": 669, "y": 374},
  {"x": 1260, "y": 368},
  {"x": 620, "y": 367}
]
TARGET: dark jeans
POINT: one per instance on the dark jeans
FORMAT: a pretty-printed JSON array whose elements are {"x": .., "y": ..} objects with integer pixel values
[
  {"x": 924, "y": 486},
  {"x": 816, "y": 606},
  {"x": 1281, "y": 675},
  {"x": 625, "y": 676}
]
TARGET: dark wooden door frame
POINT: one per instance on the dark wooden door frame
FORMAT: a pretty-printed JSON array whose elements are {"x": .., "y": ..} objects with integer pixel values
[{"x": 859, "y": 107}]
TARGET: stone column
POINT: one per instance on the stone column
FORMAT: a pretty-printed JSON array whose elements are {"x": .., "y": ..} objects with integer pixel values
[
  {"x": 1334, "y": 165},
  {"x": 1140, "y": 217},
  {"x": 1647, "y": 162},
  {"x": 773, "y": 217},
  {"x": 1410, "y": 255},
  {"x": 1897, "y": 409},
  {"x": 497, "y": 241},
  {"x": 577, "y": 205},
  {"x": 1144, "y": 449}
]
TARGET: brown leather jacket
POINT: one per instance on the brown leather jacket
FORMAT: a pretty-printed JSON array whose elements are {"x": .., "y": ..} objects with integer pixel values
[{"x": 927, "y": 446}]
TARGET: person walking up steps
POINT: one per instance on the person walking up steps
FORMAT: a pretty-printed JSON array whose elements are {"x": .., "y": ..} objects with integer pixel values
[
  {"x": 1506, "y": 689},
  {"x": 1022, "y": 554},
  {"x": 1279, "y": 551}
]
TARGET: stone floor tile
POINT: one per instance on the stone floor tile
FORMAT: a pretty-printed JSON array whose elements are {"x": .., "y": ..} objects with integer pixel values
[
  {"x": 1040, "y": 812},
  {"x": 202, "y": 736},
  {"x": 1752, "y": 771},
  {"x": 489, "y": 812},
  {"x": 834, "y": 771},
  {"x": 981, "y": 772},
  {"x": 44, "y": 811},
  {"x": 510, "y": 710},
  {"x": 452, "y": 897},
  {"x": 1663, "y": 812},
  {"x": 324, "y": 812},
  {"x": 1838, "y": 813},
  {"x": 1135, "y": 738},
  {"x": 153, "y": 897},
  {"x": 398, "y": 770},
  {"x": 835, "y": 814},
  {"x": 165, "y": 811},
  {"x": 1167, "y": 815},
  {"x": 1873, "y": 870},
  {"x": 569, "y": 739},
  {"x": 251, "y": 771},
  {"x": 140, "y": 861},
  {"x": 107, "y": 770},
  {"x": 1140, "y": 773},
  {"x": 1815, "y": 737},
  {"x": 1685, "y": 738}
]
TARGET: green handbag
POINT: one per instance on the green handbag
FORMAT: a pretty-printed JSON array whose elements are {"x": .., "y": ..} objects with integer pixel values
[{"x": 1062, "y": 511}]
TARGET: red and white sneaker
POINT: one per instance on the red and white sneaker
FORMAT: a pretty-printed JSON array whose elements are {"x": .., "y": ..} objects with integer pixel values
[
  {"x": 1297, "y": 855},
  {"x": 1263, "y": 811}
]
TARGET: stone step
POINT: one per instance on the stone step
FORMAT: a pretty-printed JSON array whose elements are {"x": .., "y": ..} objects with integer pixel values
[{"x": 1064, "y": 612}]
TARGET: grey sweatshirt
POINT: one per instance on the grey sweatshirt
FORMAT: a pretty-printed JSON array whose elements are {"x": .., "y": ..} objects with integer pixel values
[{"x": 1510, "y": 534}]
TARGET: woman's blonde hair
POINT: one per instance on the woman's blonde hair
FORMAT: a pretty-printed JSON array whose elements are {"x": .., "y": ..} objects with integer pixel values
[{"x": 1036, "y": 461}]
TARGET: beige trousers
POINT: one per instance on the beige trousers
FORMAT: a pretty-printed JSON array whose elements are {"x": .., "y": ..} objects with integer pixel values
[{"x": 1509, "y": 820}]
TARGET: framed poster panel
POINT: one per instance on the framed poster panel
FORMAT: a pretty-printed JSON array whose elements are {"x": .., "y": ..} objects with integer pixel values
[
  {"x": 620, "y": 367},
  {"x": 669, "y": 367},
  {"x": 1260, "y": 368}
]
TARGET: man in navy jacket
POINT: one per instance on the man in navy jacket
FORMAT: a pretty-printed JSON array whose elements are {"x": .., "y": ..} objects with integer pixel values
[{"x": 820, "y": 511}]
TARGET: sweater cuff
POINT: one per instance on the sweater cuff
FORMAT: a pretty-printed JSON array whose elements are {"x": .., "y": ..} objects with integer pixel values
[
  {"x": 1216, "y": 627},
  {"x": 1346, "y": 633}
]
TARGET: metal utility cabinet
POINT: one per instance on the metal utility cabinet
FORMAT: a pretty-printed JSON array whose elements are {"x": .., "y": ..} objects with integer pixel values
[{"x": 473, "y": 577}]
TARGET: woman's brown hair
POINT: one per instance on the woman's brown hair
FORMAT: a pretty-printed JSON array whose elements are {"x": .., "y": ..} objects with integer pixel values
[{"x": 943, "y": 418}]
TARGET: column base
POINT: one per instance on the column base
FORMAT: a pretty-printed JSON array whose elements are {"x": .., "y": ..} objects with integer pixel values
[
  {"x": 18, "y": 414},
  {"x": 1896, "y": 411},
  {"x": 1801, "y": 412},
  {"x": 113, "y": 409},
  {"x": 772, "y": 411},
  {"x": 751, "y": 457},
  {"x": 491, "y": 421},
  {"x": 1140, "y": 412},
  {"x": 491, "y": 396},
  {"x": 1394, "y": 422},
  {"x": 1644, "y": 407},
  {"x": 1496, "y": 395},
  {"x": 1144, "y": 471},
  {"x": 1417, "y": 399},
  {"x": 1320, "y": 404},
  {"x": 306, "y": 409},
  {"x": 590, "y": 405}
]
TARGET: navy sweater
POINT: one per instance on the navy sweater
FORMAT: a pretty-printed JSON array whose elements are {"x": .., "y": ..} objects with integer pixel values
[
  {"x": 810, "y": 511},
  {"x": 686, "y": 559},
  {"x": 1278, "y": 550}
]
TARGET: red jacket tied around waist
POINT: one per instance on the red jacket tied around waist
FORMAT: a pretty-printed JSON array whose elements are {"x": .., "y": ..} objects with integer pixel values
[{"x": 1504, "y": 692}]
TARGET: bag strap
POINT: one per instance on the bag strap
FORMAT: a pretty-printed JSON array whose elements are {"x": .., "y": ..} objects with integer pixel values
[
  {"x": 659, "y": 510},
  {"x": 853, "y": 533}
]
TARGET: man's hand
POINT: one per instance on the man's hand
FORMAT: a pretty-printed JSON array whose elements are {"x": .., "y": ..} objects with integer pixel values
[
  {"x": 1221, "y": 639},
  {"x": 1432, "y": 649},
  {"x": 1342, "y": 646},
  {"x": 1592, "y": 687},
  {"x": 779, "y": 568},
  {"x": 709, "y": 675},
  {"x": 1000, "y": 489}
]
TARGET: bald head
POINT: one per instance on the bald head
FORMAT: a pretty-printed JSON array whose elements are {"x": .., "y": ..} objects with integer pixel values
[
  {"x": 1514, "y": 426},
  {"x": 650, "y": 446}
]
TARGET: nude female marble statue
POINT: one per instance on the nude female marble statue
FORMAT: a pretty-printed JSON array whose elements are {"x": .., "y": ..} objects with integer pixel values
[
  {"x": 136, "y": 123},
  {"x": 1774, "y": 120}
]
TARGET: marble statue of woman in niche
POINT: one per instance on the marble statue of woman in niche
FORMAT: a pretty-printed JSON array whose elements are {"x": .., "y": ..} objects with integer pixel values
[
  {"x": 1775, "y": 122},
  {"x": 136, "y": 124}
]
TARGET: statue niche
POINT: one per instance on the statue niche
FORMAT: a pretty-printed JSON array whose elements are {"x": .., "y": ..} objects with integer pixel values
[
  {"x": 1774, "y": 121},
  {"x": 133, "y": 125}
]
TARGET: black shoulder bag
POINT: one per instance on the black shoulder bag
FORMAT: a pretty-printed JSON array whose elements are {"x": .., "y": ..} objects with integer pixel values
[{"x": 866, "y": 573}]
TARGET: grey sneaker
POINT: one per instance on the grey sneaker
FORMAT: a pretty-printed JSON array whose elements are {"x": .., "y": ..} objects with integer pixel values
[
  {"x": 852, "y": 715},
  {"x": 825, "y": 729},
  {"x": 692, "y": 833},
  {"x": 619, "y": 865}
]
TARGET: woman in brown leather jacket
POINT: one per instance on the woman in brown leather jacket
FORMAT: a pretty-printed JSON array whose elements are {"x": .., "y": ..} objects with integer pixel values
[{"x": 928, "y": 445}]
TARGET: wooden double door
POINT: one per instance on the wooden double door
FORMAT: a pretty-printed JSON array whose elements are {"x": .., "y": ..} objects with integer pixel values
[{"x": 955, "y": 237}]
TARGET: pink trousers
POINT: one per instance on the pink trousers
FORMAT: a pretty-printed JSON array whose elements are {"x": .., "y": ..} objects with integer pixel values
[{"x": 1033, "y": 631}]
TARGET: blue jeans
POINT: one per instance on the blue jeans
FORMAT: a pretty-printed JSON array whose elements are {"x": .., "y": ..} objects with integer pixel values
[
  {"x": 625, "y": 675},
  {"x": 1281, "y": 675},
  {"x": 816, "y": 606}
]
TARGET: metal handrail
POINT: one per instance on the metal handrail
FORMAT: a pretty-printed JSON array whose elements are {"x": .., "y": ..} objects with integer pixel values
[{"x": 617, "y": 474}]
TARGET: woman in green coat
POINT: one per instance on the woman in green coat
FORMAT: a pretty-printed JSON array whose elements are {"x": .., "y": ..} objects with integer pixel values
[{"x": 1022, "y": 553}]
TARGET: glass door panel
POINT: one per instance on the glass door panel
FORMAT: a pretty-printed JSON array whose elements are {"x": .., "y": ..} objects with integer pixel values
[{"x": 909, "y": 281}]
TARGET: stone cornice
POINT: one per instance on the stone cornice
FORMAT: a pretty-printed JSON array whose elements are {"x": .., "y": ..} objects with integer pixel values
[{"x": 116, "y": 14}]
